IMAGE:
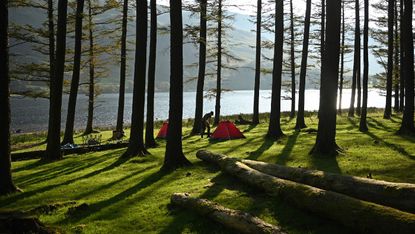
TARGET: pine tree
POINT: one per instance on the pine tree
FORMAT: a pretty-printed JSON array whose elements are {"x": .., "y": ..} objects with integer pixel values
[
  {"x": 6, "y": 181},
  {"x": 174, "y": 157},
  {"x": 255, "y": 118},
  {"x": 274, "y": 128},
  {"x": 356, "y": 60},
  {"x": 363, "y": 123}
]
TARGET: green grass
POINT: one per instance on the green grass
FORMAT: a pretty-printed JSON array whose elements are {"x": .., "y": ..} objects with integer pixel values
[{"x": 132, "y": 196}]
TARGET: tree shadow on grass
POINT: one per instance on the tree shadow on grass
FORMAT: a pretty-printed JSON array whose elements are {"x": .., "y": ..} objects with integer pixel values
[
  {"x": 66, "y": 169},
  {"x": 266, "y": 144},
  {"x": 120, "y": 197},
  {"x": 24, "y": 195},
  {"x": 378, "y": 125},
  {"x": 399, "y": 149},
  {"x": 288, "y": 148}
]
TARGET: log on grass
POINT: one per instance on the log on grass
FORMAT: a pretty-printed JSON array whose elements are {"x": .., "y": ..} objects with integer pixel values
[
  {"x": 397, "y": 195},
  {"x": 360, "y": 215},
  {"x": 232, "y": 219}
]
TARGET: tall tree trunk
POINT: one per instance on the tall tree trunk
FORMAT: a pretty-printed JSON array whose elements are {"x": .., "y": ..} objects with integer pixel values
[
  {"x": 293, "y": 84},
  {"x": 6, "y": 180},
  {"x": 389, "y": 79},
  {"x": 356, "y": 59},
  {"x": 363, "y": 122},
  {"x": 53, "y": 148},
  {"x": 219, "y": 66},
  {"x": 300, "y": 123},
  {"x": 51, "y": 32},
  {"x": 123, "y": 65},
  {"x": 401, "y": 73},
  {"x": 255, "y": 118},
  {"x": 202, "y": 68},
  {"x": 396, "y": 61},
  {"x": 326, "y": 134},
  {"x": 136, "y": 144},
  {"x": 150, "y": 142},
  {"x": 274, "y": 128},
  {"x": 322, "y": 38},
  {"x": 407, "y": 66},
  {"x": 174, "y": 156},
  {"x": 91, "y": 84},
  {"x": 339, "y": 111},
  {"x": 70, "y": 119}
]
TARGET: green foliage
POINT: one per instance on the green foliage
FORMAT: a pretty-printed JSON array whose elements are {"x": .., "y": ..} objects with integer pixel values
[{"x": 133, "y": 196}]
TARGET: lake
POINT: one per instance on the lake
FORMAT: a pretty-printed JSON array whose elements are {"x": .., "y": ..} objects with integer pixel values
[{"x": 32, "y": 114}]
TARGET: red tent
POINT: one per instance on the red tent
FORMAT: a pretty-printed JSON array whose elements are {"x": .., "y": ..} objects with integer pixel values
[
  {"x": 163, "y": 131},
  {"x": 226, "y": 130}
]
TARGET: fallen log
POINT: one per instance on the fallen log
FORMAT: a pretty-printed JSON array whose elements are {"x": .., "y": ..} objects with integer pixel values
[
  {"x": 397, "y": 195},
  {"x": 360, "y": 215},
  {"x": 239, "y": 221}
]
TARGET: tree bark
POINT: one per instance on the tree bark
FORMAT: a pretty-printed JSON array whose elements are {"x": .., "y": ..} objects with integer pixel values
[
  {"x": 233, "y": 219},
  {"x": 123, "y": 65},
  {"x": 70, "y": 118},
  {"x": 274, "y": 128},
  {"x": 53, "y": 148},
  {"x": 356, "y": 59},
  {"x": 389, "y": 78},
  {"x": 407, "y": 67},
  {"x": 326, "y": 134},
  {"x": 91, "y": 85},
  {"x": 396, "y": 61},
  {"x": 219, "y": 66},
  {"x": 6, "y": 180},
  {"x": 202, "y": 68},
  {"x": 174, "y": 157},
  {"x": 51, "y": 32},
  {"x": 150, "y": 142},
  {"x": 136, "y": 143},
  {"x": 363, "y": 122},
  {"x": 255, "y": 118},
  {"x": 293, "y": 65},
  {"x": 356, "y": 214},
  {"x": 300, "y": 123},
  {"x": 341, "y": 80},
  {"x": 401, "y": 57}
]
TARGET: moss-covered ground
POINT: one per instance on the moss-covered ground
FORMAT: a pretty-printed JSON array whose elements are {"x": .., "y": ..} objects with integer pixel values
[{"x": 132, "y": 196}]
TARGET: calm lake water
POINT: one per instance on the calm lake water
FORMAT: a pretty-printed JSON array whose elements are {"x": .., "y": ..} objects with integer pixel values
[{"x": 32, "y": 114}]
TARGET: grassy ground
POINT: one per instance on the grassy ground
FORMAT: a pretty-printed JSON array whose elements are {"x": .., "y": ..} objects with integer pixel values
[{"x": 132, "y": 196}]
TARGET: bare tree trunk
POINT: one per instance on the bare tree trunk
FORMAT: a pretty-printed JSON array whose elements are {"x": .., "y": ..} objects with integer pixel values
[
  {"x": 274, "y": 128},
  {"x": 123, "y": 65},
  {"x": 339, "y": 111},
  {"x": 255, "y": 118},
  {"x": 359, "y": 215},
  {"x": 202, "y": 68},
  {"x": 236, "y": 220},
  {"x": 91, "y": 85},
  {"x": 401, "y": 57},
  {"x": 174, "y": 157},
  {"x": 6, "y": 180},
  {"x": 136, "y": 144},
  {"x": 219, "y": 66},
  {"x": 407, "y": 67},
  {"x": 292, "y": 57},
  {"x": 396, "y": 107},
  {"x": 389, "y": 79},
  {"x": 51, "y": 27},
  {"x": 326, "y": 135},
  {"x": 53, "y": 148},
  {"x": 356, "y": 59},
  {"x": 363, "y": 122},
  {"x": 300, "y": 123},
  {"x": 70, "y": 118},
  {"x": 150, "y": 142}
]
